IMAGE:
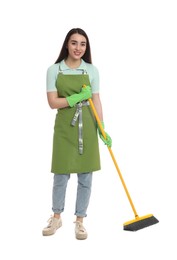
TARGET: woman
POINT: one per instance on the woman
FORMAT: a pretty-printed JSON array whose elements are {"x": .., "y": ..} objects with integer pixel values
[{"x": 75, "y": 142}]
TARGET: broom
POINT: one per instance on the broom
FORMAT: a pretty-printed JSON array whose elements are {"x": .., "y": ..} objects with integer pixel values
[{"x": 138, "y": 222}]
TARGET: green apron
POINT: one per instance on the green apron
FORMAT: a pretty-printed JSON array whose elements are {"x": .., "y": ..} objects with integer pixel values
[{"x": 75, "y": 147}]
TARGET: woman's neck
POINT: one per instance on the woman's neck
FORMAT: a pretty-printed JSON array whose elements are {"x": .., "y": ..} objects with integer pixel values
[{"x": 73, "y": 64}]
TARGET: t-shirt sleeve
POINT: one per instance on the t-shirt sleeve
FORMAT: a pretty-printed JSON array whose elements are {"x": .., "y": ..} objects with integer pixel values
[
  {"x": 95, "y": 80},
  {"x": 51, "y": 78}
]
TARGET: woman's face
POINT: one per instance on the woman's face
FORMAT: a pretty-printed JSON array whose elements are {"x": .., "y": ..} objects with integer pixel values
[{"x": 76, "y": 46}]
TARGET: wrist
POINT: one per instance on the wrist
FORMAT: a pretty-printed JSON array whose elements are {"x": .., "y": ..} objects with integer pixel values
[
  {"x": 72, "y": 100},
  {"x": 102, "y": 124}
]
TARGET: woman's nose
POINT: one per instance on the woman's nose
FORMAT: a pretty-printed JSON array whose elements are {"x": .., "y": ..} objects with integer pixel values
[{"x": 78, "y": 46}]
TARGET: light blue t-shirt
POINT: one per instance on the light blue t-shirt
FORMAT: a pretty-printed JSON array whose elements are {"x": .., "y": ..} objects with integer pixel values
[{"x": 88, "y": 68}]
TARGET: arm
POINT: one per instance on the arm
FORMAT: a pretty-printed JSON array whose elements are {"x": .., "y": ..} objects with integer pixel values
[
  {"x": 97, "y": 104},
  {"x": 55, "y": 102}
]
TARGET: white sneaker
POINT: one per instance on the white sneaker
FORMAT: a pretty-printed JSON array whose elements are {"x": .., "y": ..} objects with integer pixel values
[
  {"x": 80, "y": 231},
  {"x": 54, "y": 224}
]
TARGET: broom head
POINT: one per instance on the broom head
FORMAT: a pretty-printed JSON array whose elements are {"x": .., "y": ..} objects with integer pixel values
[{"x": 140, "y": 222}]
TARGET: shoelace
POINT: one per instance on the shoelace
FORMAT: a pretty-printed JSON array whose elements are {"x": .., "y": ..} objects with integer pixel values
[
  {"x": 50, "y": 221},
  {"x": 80, "y": 226}
]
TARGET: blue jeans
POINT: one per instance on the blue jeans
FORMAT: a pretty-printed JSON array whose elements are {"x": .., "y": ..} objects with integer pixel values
[{"x": 83, "y": 193}]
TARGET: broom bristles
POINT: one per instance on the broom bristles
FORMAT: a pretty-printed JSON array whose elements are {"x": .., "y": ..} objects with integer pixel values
[{"x": 140, "y": 222}]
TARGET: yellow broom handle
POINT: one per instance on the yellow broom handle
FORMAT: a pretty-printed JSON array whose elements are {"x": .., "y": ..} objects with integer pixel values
[{"x": 112, "y": 156}]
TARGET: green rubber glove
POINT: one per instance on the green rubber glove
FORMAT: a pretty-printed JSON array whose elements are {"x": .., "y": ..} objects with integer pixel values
[
  {"x": 108, "y": 140},
  {"x": 83, "y": 95}
]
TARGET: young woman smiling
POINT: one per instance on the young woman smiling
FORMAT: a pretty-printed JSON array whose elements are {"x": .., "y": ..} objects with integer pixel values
[{"x": 75, "y": 140}]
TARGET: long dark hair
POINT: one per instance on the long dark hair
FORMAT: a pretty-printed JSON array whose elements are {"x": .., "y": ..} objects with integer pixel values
[{"x": 64, "y": 51}]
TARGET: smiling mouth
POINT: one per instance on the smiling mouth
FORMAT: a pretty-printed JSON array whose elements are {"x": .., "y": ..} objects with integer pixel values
[{"x": 77, "y": 52}]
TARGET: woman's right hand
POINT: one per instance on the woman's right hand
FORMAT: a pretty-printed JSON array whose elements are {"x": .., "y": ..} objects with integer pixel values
[
  {"x": 83, "y": 95},
  {"x": 86, "y": 93}
]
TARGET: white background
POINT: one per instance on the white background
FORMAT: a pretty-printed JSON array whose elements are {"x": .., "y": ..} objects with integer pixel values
[{"x": 134, "y": 47}]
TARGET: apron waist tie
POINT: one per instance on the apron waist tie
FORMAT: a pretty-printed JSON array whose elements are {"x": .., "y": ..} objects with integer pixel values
[{"x": 78, "y": 116}]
